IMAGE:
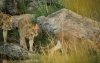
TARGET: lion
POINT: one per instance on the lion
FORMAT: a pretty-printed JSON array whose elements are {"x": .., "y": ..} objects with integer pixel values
[
  {"x": 27, "y": 30},
  {"x": 6, "y": 24}
]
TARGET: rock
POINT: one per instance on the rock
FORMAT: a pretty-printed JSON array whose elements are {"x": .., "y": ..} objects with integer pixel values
[
  {"x": 12, "y": 51},
  {"x": 12, "y": 7},
  {"x": 68, "y": 21},
  {"x": 31, "y": 6},
  {"x": 16, "y": 7},
  {"x": 1, "y": 4}
]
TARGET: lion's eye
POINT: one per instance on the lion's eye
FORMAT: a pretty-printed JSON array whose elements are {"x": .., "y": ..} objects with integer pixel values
[{"x": 31, "y": 34}]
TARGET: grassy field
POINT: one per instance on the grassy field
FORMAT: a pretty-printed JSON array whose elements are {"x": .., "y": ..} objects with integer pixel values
[
  {"x": 79, "y": 51},
  {"x": 89, "y": 8},
  {"x": 76, "y": 51}
]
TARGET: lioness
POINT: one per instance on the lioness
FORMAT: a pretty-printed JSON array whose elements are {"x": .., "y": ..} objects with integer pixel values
[
  {"x": 6, "y": 24},
  {"x": 27, "y": 30}
]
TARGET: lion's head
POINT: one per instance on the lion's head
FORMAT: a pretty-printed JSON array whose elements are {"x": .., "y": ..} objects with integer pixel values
[{"x": 7, "y": 22}]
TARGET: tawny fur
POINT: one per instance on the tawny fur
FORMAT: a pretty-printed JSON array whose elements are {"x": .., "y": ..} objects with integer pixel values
[
  {"x": 6, "y": 24},
  {"x": 27, "y": 30}
]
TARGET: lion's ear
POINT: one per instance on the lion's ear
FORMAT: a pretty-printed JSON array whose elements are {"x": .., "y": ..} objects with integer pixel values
[
  {"x": 10, "y": 16},
  {"x": 29, "y": 25},
  {"x": 37, "y": 26}
]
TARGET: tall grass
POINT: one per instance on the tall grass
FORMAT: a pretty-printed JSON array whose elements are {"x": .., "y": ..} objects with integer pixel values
[
  {"x": 42, "y": 8},
  {"x": 78, "y": 51},
  {"x": 89, "y": 8},
  {"x": 74, "y": 50}
]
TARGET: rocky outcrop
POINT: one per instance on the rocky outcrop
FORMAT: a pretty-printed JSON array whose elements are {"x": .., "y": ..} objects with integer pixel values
[
  {"x": 69, "y": 22},
  {"x": 1, "y": 4},
  {"x": 12, "y": 51}
]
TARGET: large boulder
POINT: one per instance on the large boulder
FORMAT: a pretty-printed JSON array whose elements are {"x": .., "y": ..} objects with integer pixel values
[
  {"x": 69, "y": 22},
  {"x": 12, "y": 51}
]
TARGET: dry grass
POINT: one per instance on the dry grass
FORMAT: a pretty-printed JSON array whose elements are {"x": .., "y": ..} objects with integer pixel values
[
  {"x": 76, "y": 50},
  {"x": 89, "y": 8},
  {"x": 79, "y": 51}
]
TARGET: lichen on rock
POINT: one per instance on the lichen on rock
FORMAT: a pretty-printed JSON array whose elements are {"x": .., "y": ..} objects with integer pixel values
[{"x": 12, "y": 51}]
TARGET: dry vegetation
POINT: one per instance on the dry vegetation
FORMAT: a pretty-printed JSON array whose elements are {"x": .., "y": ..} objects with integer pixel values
[
  {"x": 89, "y": 8},
  {"x": 76, "y": 50}
]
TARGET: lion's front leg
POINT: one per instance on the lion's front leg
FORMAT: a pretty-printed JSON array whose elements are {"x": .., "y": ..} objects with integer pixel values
[
  {"x": 23, "y": 43},
  {"x": 31, "y": 41},
  {"x": 5, "y": 35}
]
